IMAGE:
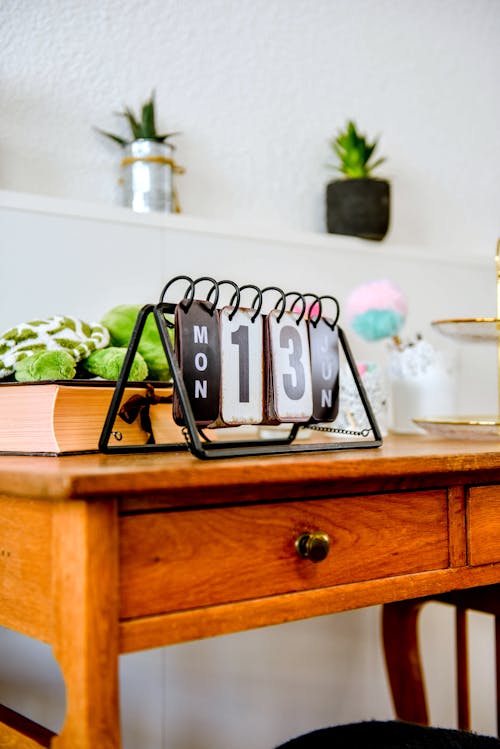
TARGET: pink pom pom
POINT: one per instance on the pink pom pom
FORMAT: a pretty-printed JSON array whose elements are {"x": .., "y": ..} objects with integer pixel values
[
  {"x": 312, "y": 310},
  {"x": 381, "y": 294}
]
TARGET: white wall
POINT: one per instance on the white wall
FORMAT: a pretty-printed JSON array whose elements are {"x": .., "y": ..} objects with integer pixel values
[{"x": 258, "y": 87}]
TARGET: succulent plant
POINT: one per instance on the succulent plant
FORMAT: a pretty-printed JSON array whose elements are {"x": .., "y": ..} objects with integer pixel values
[
  {"x": 355, "y": 153},
  {"x": 145, "y": 127}
]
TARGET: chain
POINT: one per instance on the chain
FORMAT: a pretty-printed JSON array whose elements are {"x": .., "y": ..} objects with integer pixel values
[
  {"x": 349, "y": 432},
  {"x": 316, "y": 427}
]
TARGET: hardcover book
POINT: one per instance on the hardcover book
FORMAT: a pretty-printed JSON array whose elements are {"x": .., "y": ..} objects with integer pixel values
[{"x": 63, "y": 417}]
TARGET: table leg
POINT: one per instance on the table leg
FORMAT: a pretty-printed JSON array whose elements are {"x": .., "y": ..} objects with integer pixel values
[{"x": 85, "y": 593}]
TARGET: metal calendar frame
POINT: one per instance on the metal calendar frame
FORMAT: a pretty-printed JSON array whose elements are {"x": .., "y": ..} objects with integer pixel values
[{"x": 196, "y": 440}]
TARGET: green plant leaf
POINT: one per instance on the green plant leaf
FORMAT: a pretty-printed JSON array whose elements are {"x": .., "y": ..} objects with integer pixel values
[
  {"x": 377, "y": 163},
  {"x": 143, "y": 128},
  {"x": 354, "y": 152},
  {"x": 338, "y": 150},
  {"x": 134, "y": 125},
  {"x": 117, "y": 138},
  {"x": 148, "y": 120},
  {"x": 166, "y": 136},
  {"x": 369, "y": 149}
]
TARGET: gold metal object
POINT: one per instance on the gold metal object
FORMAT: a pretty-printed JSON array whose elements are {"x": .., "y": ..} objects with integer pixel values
[
  {"x": 154, "y": 160},
  {"x": 466, "y": 320},
  {"x": 472, "y": 329},
  {"x": 313, "y": 545},
  {"x": 461, "y": 427},
  {"x": 497, "y": 263}
]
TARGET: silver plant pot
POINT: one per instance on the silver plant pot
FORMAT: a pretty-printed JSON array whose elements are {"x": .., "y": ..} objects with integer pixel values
[{"x": 147, "y": 176}]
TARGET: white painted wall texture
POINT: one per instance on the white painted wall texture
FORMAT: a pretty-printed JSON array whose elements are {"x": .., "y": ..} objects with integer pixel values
[{"x": 257, "y": 88}]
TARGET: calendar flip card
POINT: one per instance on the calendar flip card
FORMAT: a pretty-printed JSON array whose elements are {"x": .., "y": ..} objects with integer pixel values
[
  {"x": 197, "y": 346},
  {"x": 242, "y": 362},
  {"x": 289, "y": 365},
  {"x": 324, "y": 347}
]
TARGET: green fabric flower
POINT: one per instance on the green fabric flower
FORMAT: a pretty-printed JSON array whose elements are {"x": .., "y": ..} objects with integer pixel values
[
  {"x": 107, "y": 363},
  {"x": 58, "y": 333},
  {"x": 46, "y": 365},
  {"x": 120, "y": 322}
]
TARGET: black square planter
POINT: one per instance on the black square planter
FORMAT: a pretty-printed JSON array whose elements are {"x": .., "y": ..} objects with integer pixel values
[{"x": 358, "y": 207}]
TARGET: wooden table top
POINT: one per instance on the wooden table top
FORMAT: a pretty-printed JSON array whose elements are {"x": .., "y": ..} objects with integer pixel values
[{"x": 401, "y": 462}]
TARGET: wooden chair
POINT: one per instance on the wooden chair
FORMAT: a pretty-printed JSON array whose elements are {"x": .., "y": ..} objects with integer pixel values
[
  {"x": 402, "y": 653},
  {"x": 401, "y": 647}
]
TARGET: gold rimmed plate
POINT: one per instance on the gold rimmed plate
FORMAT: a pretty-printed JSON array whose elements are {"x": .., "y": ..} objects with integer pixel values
[
  {"x": 461, "y": 427},
  {"x": 470, "y": 329}
]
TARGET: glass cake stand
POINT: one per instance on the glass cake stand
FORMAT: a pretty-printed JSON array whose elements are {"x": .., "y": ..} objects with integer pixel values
[{"x": 470, "y": 330}]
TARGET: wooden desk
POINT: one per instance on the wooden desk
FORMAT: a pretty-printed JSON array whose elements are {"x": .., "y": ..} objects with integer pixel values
[{"x": 102, "y": 555}]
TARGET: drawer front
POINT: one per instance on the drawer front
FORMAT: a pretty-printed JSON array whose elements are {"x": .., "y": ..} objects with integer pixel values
[
  {"x": 180, "y": 560},
  {"x": 483, "y": 524}
]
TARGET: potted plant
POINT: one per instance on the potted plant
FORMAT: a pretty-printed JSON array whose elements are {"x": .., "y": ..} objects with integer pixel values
[
  {"x": 147, "y": 163},
  {"x": 358, "y": 204}
]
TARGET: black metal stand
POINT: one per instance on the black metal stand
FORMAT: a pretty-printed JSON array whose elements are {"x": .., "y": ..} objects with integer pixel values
[{"x": 196, "y": 440}]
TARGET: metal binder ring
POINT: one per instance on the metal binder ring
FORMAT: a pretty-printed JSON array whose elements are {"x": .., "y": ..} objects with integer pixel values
[
  {"x": 332, "y": 298},
  {"x": 215, "y": 288},
  {"x": 236, "y": 294},
  {"x": 172, "y": 281},
  {"x": 166, "y": 308},
  {"x": 259, "y": 297},
  {"x": 314, "y": 320},
  {"x": 298, "y": 296},
  {"x": 283, "y": 300}
]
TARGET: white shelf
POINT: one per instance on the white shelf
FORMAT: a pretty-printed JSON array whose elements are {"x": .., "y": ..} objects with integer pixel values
[{"x": 45, "y": 204}]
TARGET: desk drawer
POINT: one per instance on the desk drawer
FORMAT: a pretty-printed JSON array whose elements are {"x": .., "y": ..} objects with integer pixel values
[
  {"x": 182, "y": 560},
  {"x": 483, "y": 524}
]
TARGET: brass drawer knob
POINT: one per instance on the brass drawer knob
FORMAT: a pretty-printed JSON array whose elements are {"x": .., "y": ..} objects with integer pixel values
[{"x": 313, "y": 546}]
